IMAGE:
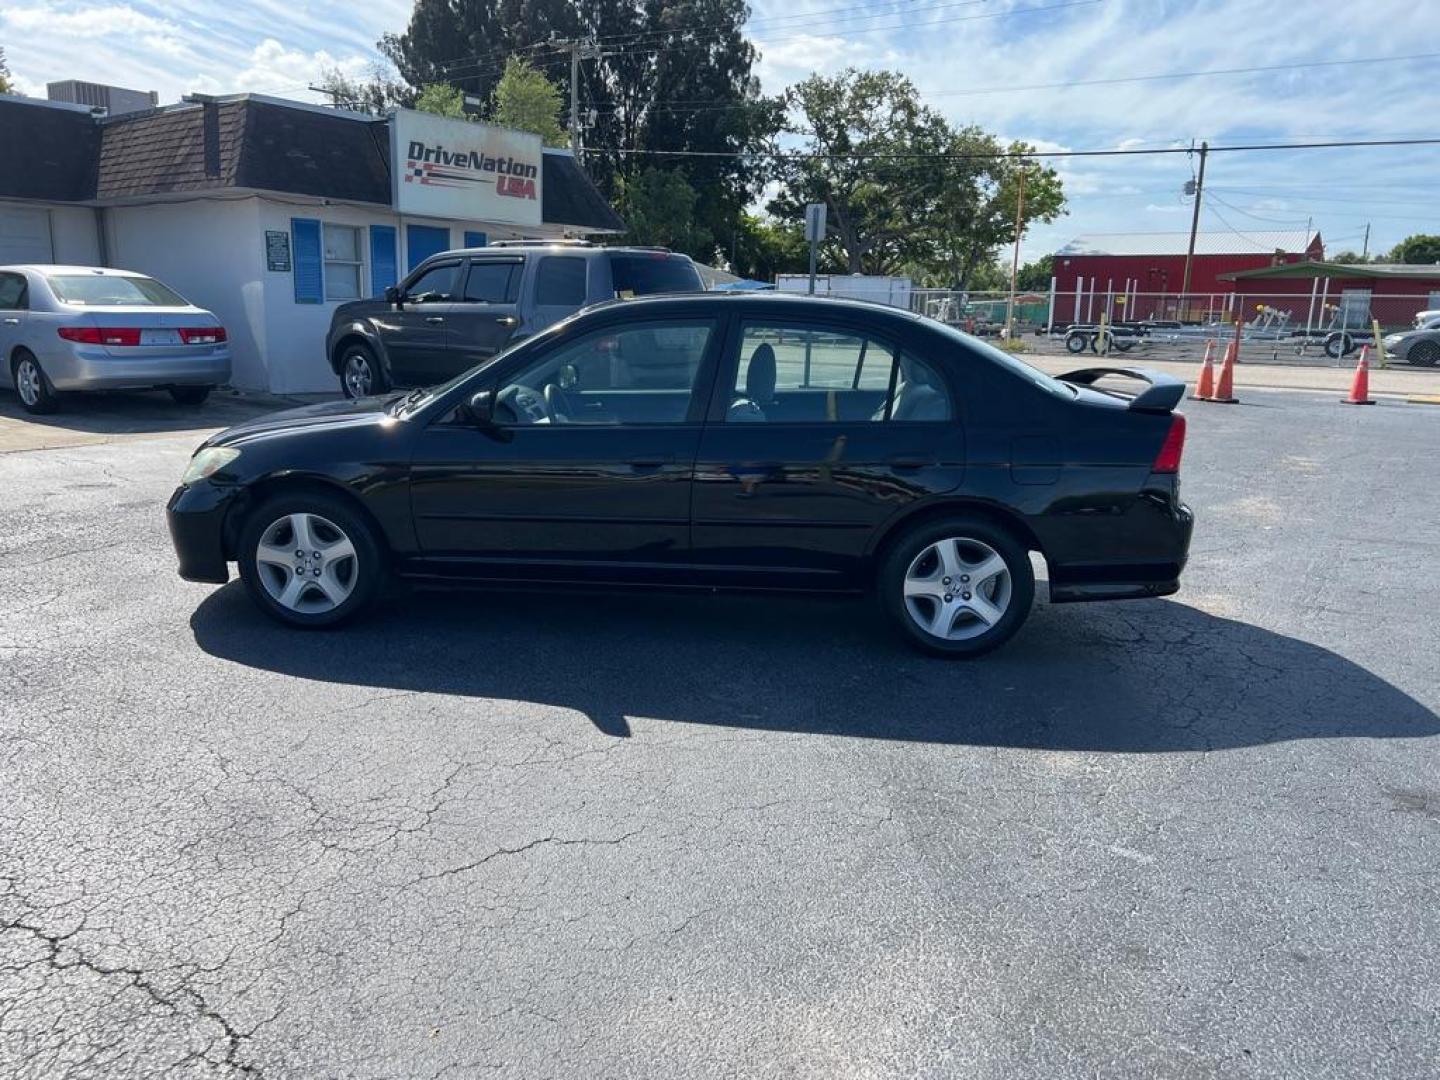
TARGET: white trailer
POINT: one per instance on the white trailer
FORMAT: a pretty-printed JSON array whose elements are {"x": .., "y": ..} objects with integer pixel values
[{"x": 894, "y": 291}]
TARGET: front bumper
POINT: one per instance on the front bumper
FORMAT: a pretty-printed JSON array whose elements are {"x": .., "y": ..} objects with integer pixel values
[
  {"x": 196, "y": 517},
  {"x": 99, "y": 369}
]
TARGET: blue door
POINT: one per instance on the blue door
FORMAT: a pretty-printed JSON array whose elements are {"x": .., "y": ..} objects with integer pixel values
[{"x": 422, "y": 241}]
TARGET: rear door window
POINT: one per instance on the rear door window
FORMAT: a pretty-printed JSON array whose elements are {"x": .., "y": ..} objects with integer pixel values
[
  {"x": 12, "y": 292},
  {"x": 492, "y": 282},
  {"x": 643, "y": 275},
  {"x": 560, "y": 282}
]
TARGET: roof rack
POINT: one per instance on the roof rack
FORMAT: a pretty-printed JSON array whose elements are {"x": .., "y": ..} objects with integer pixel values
[{"x": 541, "y": 243}]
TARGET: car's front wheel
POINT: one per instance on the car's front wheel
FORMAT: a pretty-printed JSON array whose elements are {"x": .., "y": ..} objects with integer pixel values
[
  {"x": 360, "y": 374},
  {"x": 311, "y": 559},
  {"x": 37, "y": 394},
  {"x": 956, "y": 587},
  {"x": 1424, "y": 354}
]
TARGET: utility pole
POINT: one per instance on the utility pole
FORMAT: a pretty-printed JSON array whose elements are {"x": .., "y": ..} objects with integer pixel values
[
  {"x": 580, "y": 49},
  {"x": 1365, "y": 251},
  {"x": 1015, "y": 260},
  {"x": 1194, "y": 222}
]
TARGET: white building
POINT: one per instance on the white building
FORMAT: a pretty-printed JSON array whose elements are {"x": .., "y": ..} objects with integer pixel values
[{"x": 270, "y": 212}]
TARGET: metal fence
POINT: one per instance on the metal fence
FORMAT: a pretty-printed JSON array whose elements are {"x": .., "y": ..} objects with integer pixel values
[{"x": 1265, "y": 314}]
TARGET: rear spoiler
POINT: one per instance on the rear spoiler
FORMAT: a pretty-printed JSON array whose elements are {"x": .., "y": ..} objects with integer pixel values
[{"x": 1161, "y": 396}]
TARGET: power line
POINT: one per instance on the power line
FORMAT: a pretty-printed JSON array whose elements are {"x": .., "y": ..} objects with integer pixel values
[{"x": 775, "y": 155}]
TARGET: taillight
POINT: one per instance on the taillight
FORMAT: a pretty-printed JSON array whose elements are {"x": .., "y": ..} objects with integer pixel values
[
  {"x": 101, "y": 335},
  {"x": 203, "y": 335},
  {"x": 1168, "y": 459}
]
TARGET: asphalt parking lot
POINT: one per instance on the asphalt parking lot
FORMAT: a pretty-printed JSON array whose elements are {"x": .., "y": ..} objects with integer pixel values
[{"x": 688, "y": 836}]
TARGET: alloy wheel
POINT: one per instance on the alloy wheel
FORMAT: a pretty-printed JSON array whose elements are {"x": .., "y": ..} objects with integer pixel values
[
  {"x": 27, "y": 381},
  {"x": 957, "y": 588},
  {"x": 307, "y": 563},
  {"x": 358, "y": 376}
]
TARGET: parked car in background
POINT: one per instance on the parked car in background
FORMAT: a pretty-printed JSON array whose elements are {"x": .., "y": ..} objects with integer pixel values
[
  {"x": 459, "y": 308},
  {"x": 1420, "y": 346},
  {"x": 91, "y": 328},
  {"x": 709, "y": 441}
]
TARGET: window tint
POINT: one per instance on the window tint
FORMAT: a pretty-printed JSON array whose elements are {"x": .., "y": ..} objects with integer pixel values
[
  {"x": 12, "y": 291},
  {"x": 436, "y": 284},
  {"x": 640, "y": 275},
  {"x": 492, "y": 282},
  {"x": 810, "y": 375},
  {"x": 342, "y": 262},
  {"x": 560, "y": 282},
  {"x": 112, "y": 290},
  {"x": 643, "y": 373}
]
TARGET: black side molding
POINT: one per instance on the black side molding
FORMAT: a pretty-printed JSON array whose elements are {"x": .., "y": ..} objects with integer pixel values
[{"x": 1161, "y": 395}]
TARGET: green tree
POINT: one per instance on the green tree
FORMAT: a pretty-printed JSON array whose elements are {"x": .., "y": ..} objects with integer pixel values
[
  {"x": 527, "y": 101},
  {"x": 1035, "y": 276},
  {"x": 1420, "y": 249},
  {"x": 1348, "y": 258},
  {"x": 376, "y": 95},
  {"x": 6, "y": 86},
  {"x": 442, "y": 99},
  {"x": 862, "y": 130},
  {"x": 659, "y": 207},
  {"x": 764, "y": 247}
]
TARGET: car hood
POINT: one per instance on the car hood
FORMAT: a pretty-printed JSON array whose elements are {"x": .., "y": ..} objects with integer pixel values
[
  {"x": 324, "y": 416},
  {"x": 359, "y": 309}
]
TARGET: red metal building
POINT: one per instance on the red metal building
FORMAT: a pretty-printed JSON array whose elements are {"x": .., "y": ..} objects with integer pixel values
[
  {"x": 1144, "y": 267},
  {"x": 1336, "y": 294}
]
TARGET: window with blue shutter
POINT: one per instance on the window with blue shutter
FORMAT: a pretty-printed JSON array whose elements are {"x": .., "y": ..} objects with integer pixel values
[
  {"x": 476, "y": 239},
  {"x": 309, "y": 261},
  {"x": 422, "y": 241},
  {"x": 384, "y": 269}
]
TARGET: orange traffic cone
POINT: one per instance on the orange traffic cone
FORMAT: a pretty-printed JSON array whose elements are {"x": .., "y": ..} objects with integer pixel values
[
  {"x": 1225, "y": 391},
  {"x": 1360, "y": 387},
  {"x": 1206, "y": 388}
]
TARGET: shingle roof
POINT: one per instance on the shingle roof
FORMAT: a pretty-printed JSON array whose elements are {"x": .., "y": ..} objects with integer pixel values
[
  {"x": 1175, "y": 243},
  {"x": 254, "y": 143}
]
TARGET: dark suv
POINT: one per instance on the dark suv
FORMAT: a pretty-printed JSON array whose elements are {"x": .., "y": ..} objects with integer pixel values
[{"x": 459, "y": 308}]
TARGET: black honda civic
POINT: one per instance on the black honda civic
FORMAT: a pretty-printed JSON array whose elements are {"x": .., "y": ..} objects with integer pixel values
[{"x": 714, "y": 441}]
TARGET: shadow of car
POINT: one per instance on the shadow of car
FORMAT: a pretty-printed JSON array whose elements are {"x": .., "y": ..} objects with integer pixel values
[{"x": 1132, "y": 677}]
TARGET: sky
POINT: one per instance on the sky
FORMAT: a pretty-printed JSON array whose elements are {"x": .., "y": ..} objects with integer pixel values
[{"x": 994, "y": 63}]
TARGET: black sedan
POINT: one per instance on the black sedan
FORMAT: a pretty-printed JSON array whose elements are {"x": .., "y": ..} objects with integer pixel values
[{"x": 714, "y": 441}]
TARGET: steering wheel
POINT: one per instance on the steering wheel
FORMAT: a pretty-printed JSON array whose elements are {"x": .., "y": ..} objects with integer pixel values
[
  {"x": 527, "y": 404},
  {"x": 557, "y": 403}
]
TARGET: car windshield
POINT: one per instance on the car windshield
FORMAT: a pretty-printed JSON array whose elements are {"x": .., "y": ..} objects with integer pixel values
[
  {"x": 1007, "y": 360},
  {"x": 641, "y": 275},
  {"x": 112, "y": 290}
]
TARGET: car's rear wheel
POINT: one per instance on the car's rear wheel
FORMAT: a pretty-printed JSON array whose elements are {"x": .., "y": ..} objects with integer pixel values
[
  {"x": 1424, "y": 354},
  {"x": 959, "y": 586},
  {"x": 311, "y": 559},
  {"x": 190, "y": 395},
  {"x": 37, "y": 394},
  {"x": 360, "y": 374}
]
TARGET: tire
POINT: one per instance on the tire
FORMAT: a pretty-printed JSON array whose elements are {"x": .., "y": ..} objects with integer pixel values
[
  {"x": 912, "y": 584},
  {"x": 37, "y": 393},
  {"x": 360, "y": 373},
  {"x": 339, "y": 587},
  {"x": 190, "y": 395},
  {"x": 1338, "y": 346},
  {"x": 1076, "y": 341},
  {"x": 1424, "y": 354},
  {"x": 1124, "y": 344}
]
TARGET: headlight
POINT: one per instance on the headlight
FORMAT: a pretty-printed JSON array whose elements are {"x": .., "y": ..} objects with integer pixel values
[
  {"x": 1394, "y": 339},
  {"x": 208, "y": 462}
]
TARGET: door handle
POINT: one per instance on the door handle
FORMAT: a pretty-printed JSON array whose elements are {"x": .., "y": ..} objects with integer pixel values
[
  {"x": 910, "y": 461},
  {"x": 434, "y": 320},
  {"x": 507, "y": 320},
  {"x": 12, "y": 322}
]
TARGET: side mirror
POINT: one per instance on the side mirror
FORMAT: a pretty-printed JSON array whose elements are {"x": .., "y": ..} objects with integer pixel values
[
  {"x": 481, "y": 409},
  {"x": 393, "y": 295}
]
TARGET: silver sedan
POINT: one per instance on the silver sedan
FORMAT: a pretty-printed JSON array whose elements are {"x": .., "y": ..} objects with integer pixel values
[
  {"x": 1420, "y": 346},
  {"x": 89, "y": 328}
]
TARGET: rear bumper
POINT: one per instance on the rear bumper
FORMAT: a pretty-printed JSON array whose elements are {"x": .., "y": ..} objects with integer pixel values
[
  {"x": 196, "y": 517},
  {"x": 97, "y": 369},
  {"x": 1156, "y": 573}
]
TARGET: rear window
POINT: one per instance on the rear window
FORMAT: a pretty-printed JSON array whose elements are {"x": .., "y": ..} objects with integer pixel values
[
  {"x": 641, "y": 275},
  {"x": 110, "y": 290}
]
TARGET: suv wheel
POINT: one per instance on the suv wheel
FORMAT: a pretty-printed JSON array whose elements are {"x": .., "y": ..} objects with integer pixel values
[
  {"x": 37, "y": 394},
  {"x": 957, "y": 587},
  {"x": 360, "y": 374},
  {"x": 1424, "y": 354},
  {"x": 311, "y": 560}
]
